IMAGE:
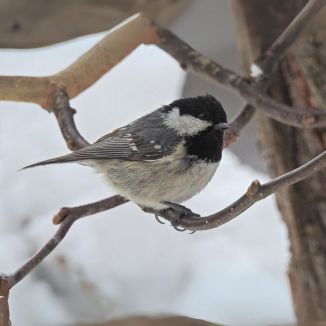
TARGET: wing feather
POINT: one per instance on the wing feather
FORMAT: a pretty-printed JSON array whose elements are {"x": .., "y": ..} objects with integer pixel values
[{"x": 144, "y": 139}]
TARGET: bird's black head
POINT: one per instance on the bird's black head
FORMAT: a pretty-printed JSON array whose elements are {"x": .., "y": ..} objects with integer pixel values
[
  {"x": 201, "y": 121},
  {"x": 205, "y": 108}
]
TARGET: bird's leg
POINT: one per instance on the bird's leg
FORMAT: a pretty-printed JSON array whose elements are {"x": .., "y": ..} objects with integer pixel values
[
  {"x": 182, "y": 210},
  {"x": 174, "y": 216},
  {"x": 176, "y": 212}
]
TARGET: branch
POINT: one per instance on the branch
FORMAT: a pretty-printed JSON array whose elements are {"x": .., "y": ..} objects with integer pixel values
[
  {"x": 262, "y": 69},
  {"x": 137, "y": 30},
  {"x": 193, "y": 61},
  {"x": 65, "y": 117},
  {"x": 74, "y": 140},
  {"x": 266, "y": 64},
  {"x": 4, "y": 307},
  {"x": 66, "y": 216},
  {"x": 255, "y": 193},
  {"x": 237, "y": 123},
  {"x": 85, "y": 71}
]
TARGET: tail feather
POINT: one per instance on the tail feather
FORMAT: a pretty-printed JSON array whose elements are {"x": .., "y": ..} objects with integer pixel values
[{"x": 61, "y": 159}]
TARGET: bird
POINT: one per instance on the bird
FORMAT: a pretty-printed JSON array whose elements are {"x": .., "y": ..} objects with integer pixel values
[{"x": 161, "y": 159}]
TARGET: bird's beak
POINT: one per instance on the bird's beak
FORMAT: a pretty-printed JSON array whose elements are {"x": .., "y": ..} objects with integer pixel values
[{"x": 222, "y": 126}]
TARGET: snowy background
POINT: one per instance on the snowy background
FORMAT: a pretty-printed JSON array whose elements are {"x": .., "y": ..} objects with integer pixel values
[{"x": 122, "y": 262}]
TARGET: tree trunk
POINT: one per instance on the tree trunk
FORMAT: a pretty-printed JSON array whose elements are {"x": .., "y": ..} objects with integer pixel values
[{"x": 301, "y": 82}]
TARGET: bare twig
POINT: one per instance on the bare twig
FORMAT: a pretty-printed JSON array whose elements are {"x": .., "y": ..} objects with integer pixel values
[
  {"x": 74, "y": 140},
  {"x": 104, "y": 55},
  {"x": 66, "y": 216},
  {"x": 84, "y": 71},
  {"x": 4, "y": 306},
  {"x": 237, "y": 123},
  {"x": 266, "y": 64},
  {"x": 89, "y": 209},
  {"x": 65, "y": 117},
  {"x": 193, "y": 61},
  {"x": 255, "y": 193}
]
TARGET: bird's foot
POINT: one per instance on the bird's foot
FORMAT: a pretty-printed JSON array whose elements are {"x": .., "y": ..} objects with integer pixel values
[
  {"x": 182, "y": 210},
  {"x": 176, "y": 212}
]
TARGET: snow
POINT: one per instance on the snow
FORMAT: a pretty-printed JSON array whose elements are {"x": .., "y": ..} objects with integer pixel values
[
  {"x": 123, "y": 262},
  {"x": 255, "y": 71}
]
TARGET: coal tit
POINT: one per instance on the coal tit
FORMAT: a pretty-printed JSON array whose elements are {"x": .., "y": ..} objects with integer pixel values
[{"x": 163, "y": 158}]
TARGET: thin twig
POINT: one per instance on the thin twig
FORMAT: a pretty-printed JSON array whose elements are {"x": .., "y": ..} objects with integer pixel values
[
  {"x": 66, "y": 216},
  {"x": 237, "y": 123},
  {"x": 74, "y": 140},
  {"x": 86, "y": 70},
  {"x": 266, "y": 64},
  {"x": 255, "y": 193},
  {"x": 139, "y": 29},
  {"x": 65, "y": 117},
  {"x": 4, "y": 306},
  {"x": 193, "y": 61}
]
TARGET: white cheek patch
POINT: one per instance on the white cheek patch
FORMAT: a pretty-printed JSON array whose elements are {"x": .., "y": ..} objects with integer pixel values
[{"x": 185, "y": 125}]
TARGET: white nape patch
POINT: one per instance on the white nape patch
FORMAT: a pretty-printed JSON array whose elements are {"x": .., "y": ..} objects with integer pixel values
[
  {"x": 157, "y": 146},
  {"x": 255, "y": 71},
  {"x": 185, "y": 125}
]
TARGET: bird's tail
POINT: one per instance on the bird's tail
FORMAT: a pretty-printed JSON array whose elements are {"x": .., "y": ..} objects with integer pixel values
[{"x": 61, "y": 159}]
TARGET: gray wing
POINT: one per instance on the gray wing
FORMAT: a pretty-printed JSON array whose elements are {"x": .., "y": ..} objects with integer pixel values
[{"x": 144, "y": 139}]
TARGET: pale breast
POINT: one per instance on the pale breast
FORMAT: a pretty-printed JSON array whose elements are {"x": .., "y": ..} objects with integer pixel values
[{"x": 148, "y": 183}]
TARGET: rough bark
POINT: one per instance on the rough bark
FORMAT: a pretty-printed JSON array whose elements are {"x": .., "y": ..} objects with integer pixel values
[{"x": 299, "y": 81}]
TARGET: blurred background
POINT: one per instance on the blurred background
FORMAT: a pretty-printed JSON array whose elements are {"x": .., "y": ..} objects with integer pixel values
[{"x": 122, "y": 262}]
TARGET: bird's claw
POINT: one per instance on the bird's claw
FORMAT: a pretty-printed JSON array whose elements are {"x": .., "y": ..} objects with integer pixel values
[
  {"x": 175, "y": 222},
  {"x": 158, "y": 219},
  {"x": 178, "y": 228},
  {"x": 175, "y": 212}
]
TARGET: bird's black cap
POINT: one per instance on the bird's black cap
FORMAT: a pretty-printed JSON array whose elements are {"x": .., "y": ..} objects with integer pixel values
[{"x": 203, "y": 107}]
